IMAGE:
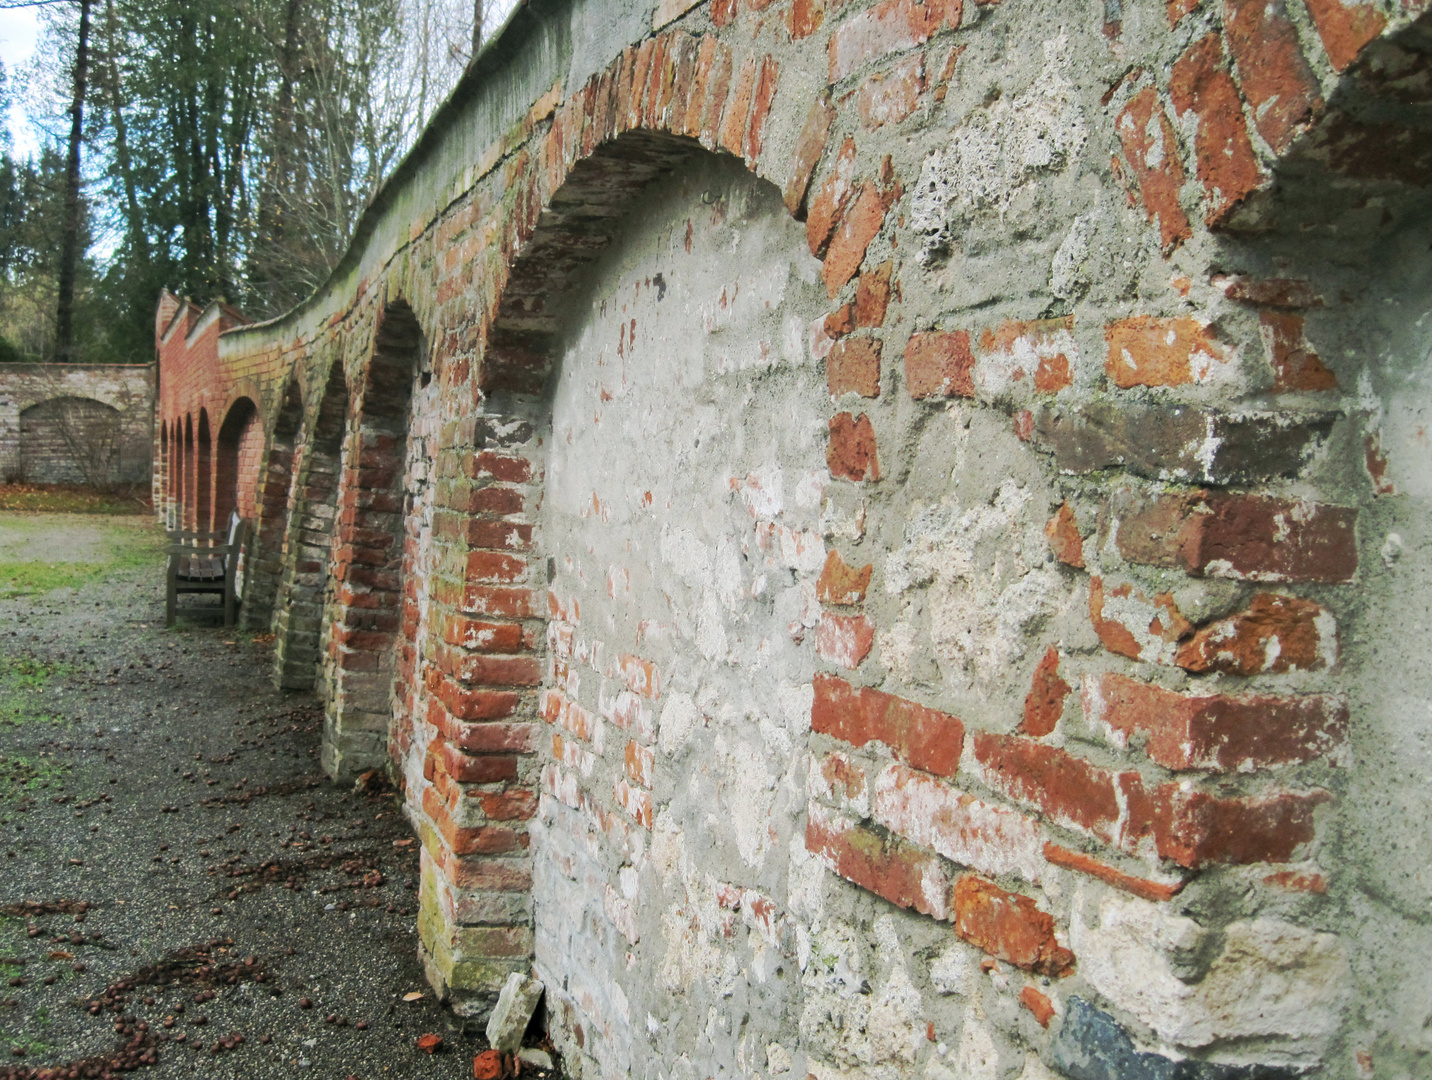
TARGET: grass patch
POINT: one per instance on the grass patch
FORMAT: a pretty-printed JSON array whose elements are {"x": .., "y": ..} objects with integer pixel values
[
  {"x": 22, "y": 680},
  {"x": 23, "y": 776},
  {"x": 73, "y": 499},
  {"x": 107, "y": 548}
]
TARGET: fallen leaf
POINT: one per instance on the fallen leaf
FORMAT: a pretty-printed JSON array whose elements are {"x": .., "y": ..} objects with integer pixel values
[
  {"x": 405, "y": 842},
  {"x": 487, "y": 1065},
  {"x": 416, "y": 995},
  {"x": 59, "y": 955},
  {"x": 429, "y": 1042}
]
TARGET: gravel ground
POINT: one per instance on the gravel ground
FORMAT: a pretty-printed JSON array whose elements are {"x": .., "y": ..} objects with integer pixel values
[{"x": 181, "y": 890}]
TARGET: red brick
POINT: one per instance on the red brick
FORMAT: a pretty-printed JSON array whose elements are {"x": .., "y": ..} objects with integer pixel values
[
  {"x": 1146, "y": 888},
  {"x": 1044, "y": 704},
  {"x": 992, "y": 840},
  {"x": 496, "y": 600},
  {"x": 889, "y": 97},
  {"x": 723, "y": 11},
  {"x": 919, "y": 736},
  {"x": 1177, "y": 9},
  {"x": 939, "y": 364},
  {"x": 1047, "y": 341},
  {"x": 831, "y": 200},
  {"x": 495, "y": 566},
  {"x": 1062, "y": 531},
  {"x": 804, "y": 18},
  {"x": 478, "y": 769},
  {"x": 1345, "y": 28},
  {"x": 1296, "y": 881},
  {"x": 850, "y": 454},
  {"x": 1038, "y": 1005},
  {"x": 493, "y": 737},
  {"x": 766, "y": 81},
  {"x": 514, "y": 804},
  {"x": 1218, "y": 731},
  {"x": 487, "y": 873},
  {"x": 885, "y": 865},
  {"x": 809, "y": 148},
  {"x": 872, "y": 296},
  {"x": 841, "y": 584},
  {"x": 1067, "y": 789},
  {"x": 1295, "y": 365},
  {"x": 717, "y": 83},
  {"x": 853, "y": 367},
  {"x": 1151, "y": 150},
  {"x": 1272, "y": 71},
  {"x": 860, "y": 224},
  {"x": 1228, "y": 169},
  {"x": 1272, "y": 635},
  {"x": 1132, "y": 624},
  {"x": 640, "y": 763},
  {"x": 507, "y": 470},
  {"x": 470, "y": 703},
  {"x": 635, "y": 802},
  {"x": 1148, "y": 351},
  {"x": 483, "y": 636},
  {"x": 738, "y": 110},
  {"x": 1195, "y": 829},
  {"x": 844, "y": 639},
  {"x": 480, "y": 670},
  {"x": 1294, "y": 294},
  {"x": 1248, "y": 537},
  {"x": 1008, "y": 926},
  {"x": 891, "y": 26},
  {"x": 498, "y": 535}
]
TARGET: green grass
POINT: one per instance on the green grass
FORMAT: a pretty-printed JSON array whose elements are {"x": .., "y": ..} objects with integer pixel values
[
  {"x": 130, "y": 543},
  {"x": 21, "y": 776},
  {"x": 22, "y": 680}
]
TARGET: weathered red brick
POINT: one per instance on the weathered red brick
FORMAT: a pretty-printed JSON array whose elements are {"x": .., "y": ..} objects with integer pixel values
[
  {"x": 640, "y": 763},
  {"x": 939, "y": 364},
  {"x": 1250, "y": 537},
  {"x": 1294, "y": 294},
  {"x": 919, "y": 736},
  {"x": 1228, "y": 169},
  {"x": 831, "y": 200},
  {"x": 1274, "y": 74},
  {"x": 1044, "y": 704},
  {"x": 1132, "y": 624},
  {"x": 1195, "y": 829},
  {"x": 1148, "y": 351},
  {"x": 1009, "y": 926},
  {"x": 483, "y": 636},
  {"x": 1147, "y": 888},
  {"x": 841, "y": 584},
  {"x": 495, "y": 566},
  {"x": 844, "y": 639},
  {"x": 1216, "y": 731},
  {"x": 478, "y": 768},
  {"x": 809, "y": 148},
  {"x": 1067, "y": 789},
  {"x": 804, "y": 18},
  {"x": 767, "y": 79},
  {"x": 891, "y": 26},
  {"x": 860, "y": 224},
  {"x": 738, "y": 110},
  {"x": 872, "y": 296},
  {"x": 850, "y": 454},
  {"x": 1295, "y": 365},
  {"x": 1273, "y": 634},
  {"x": 514, "y": 804},
  {"x": 1345, "y": 27},
  {"x": 853, "y": 367},
  {"x": 1062, "y": 531},
  {"x": 1038, "y": 1004},
  {"x": 481, "y": 670},
  {"x": 889, "y": 97},
  {"x": 885, "y": 865},
  {"x": 500, "y": 467},
  {"x": 925, "y": 810},
  {"x": 1045, "y": 345},
  {"x": 1151, "y": 150}
]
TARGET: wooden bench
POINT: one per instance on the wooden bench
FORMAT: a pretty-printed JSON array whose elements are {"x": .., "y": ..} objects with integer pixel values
[{"x": 205, "y": 562}]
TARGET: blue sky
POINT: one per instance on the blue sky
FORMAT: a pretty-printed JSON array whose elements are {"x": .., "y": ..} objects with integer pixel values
[{"x": 18, "y": 31}]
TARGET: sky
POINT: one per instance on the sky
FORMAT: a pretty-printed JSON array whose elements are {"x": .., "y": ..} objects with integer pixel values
[{"x": 19, "y": 29}]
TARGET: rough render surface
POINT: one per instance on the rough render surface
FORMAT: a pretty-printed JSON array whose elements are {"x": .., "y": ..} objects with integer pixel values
[{"x": 904, "y": 552}]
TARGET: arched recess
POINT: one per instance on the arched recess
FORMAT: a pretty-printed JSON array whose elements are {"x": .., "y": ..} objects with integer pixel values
[
  {"x": 236, "y": 434},
  {"x": 203, "y": 474},
  {"x": 366, "y": 612},
  {"x": 70, "y": 440},
  {"x": 308, "y": 546},
  {"x": 165, "y": 493},
  {"x": 185, "y": 490},
  {"x": 477, "y": 915},
  {"x": 276, "y": 494}
]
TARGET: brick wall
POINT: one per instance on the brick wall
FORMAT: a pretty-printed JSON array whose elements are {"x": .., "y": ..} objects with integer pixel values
[
  {"x": 76, "y": 423},
  {"x": 903, "y": 536}
]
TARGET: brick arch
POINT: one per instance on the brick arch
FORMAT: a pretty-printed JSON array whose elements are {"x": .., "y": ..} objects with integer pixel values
[
  {"x": 186, "y": 476},
  {"x": 365, "y": 614},
  {"x": 236, "y": 461},
  {"x": 275, "y": 484},
  {"x": 203, "y": 473},
  {"x": 307, "y": 548}
]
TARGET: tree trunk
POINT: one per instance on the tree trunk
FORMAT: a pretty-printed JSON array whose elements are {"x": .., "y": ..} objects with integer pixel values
[
  {"x": 70, "y": 238},
  {"x": 476, "y": 27}
]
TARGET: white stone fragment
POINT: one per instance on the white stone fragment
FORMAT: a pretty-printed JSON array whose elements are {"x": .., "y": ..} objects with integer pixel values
[{"x": 515, "y": 1006}]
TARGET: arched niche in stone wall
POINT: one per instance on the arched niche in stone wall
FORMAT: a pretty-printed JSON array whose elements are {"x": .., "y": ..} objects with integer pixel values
[
  {"x": 276, "y": 489},
  {"x": 70, "y": 440}
]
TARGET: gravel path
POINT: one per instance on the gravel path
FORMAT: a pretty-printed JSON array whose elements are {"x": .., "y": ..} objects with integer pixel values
[{"x": 179, "y": 884}]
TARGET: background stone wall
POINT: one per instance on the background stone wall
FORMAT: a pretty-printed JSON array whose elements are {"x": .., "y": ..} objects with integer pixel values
[
  {"x": 902, "y": 550},
  {"x": 76, "y": 423}
]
